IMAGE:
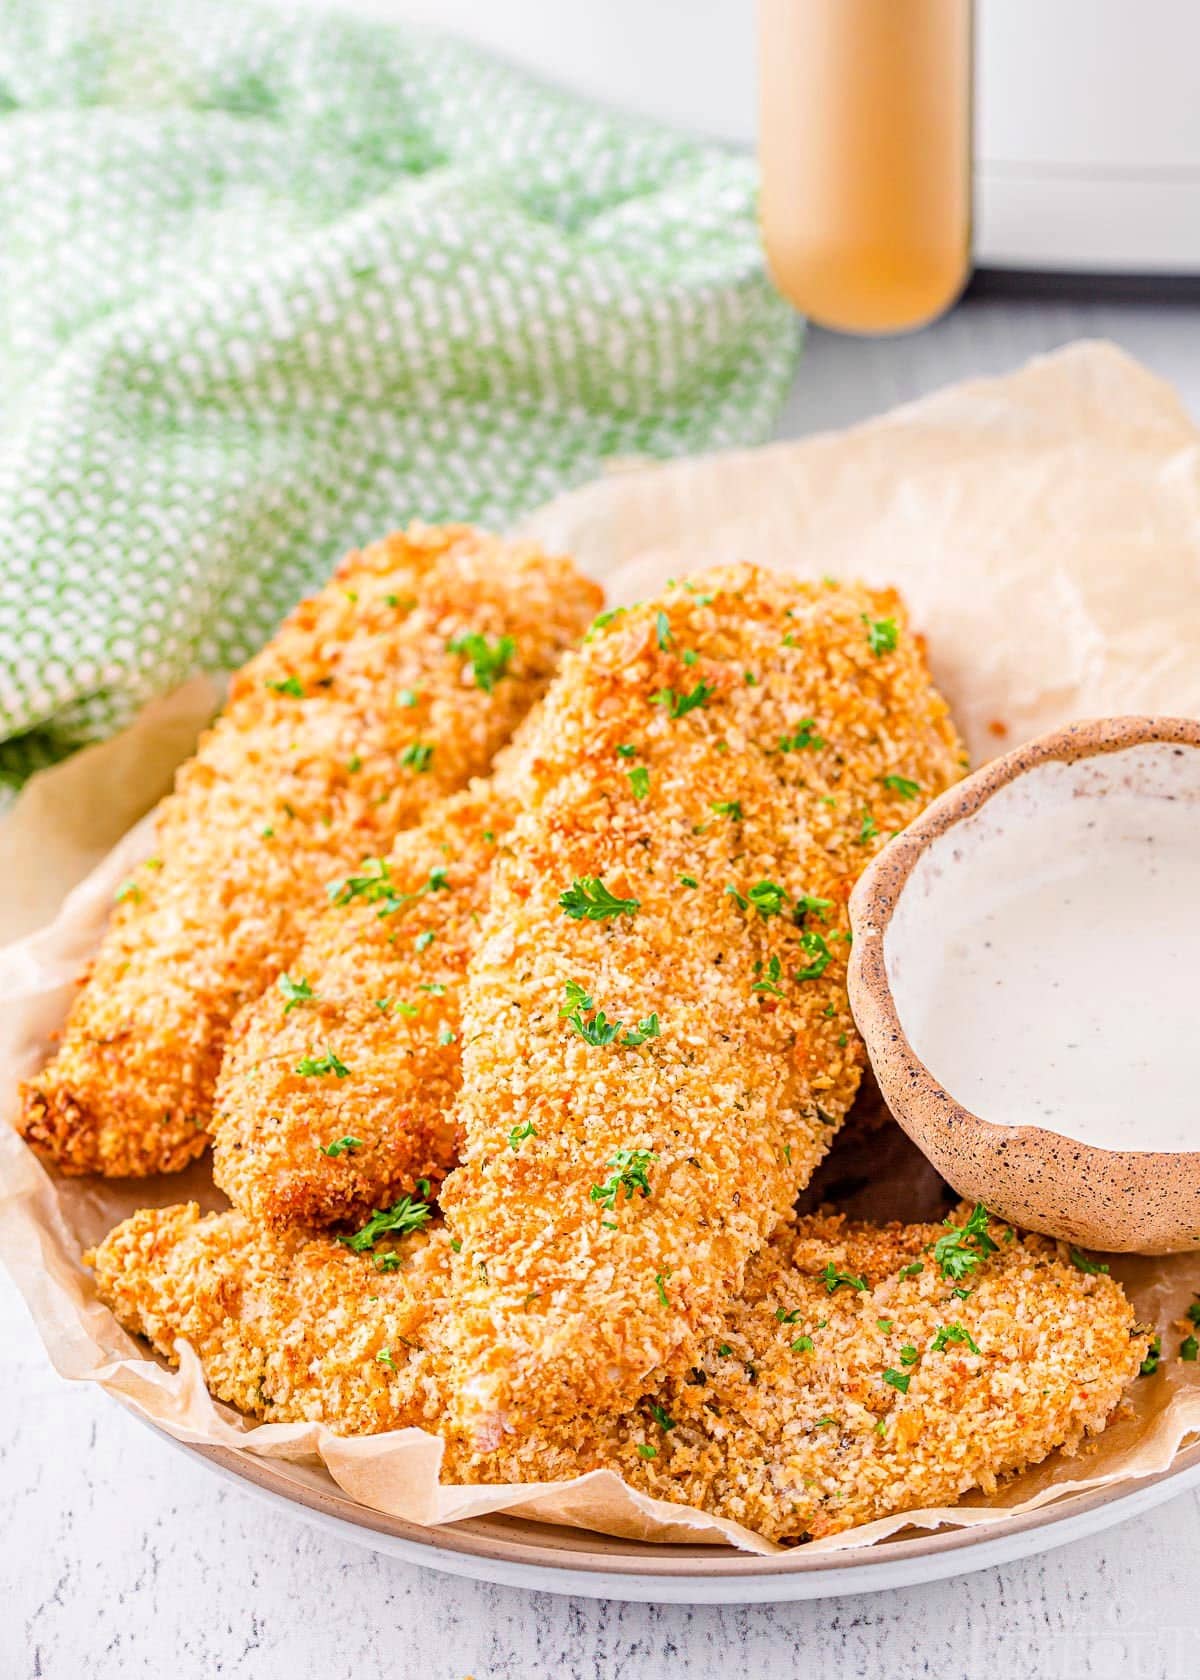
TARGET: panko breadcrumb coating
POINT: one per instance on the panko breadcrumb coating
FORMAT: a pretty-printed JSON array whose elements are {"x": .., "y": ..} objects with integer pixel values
[
  {"x": 392, "y": 687},
  {"x": 371, "y": 1002},
  {"x": 849, "y": 1382},
  {"x": 657, "y": 1045}
]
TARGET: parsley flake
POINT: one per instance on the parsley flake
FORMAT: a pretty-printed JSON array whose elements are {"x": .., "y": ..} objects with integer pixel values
[
  {"x": 833, "y": 1279},
  {"x": 630, "y": 1173},
  {"x": 588, "y": 899},
  {"x": 296, "y": 990},
  {"x": 964, "y": 1247},
  {"x": 902, "y": 786},
  {"x": 1081, "y": 1262},
  {"x": 403, "y": 1216},
  {"x": 1153, "y": 1357},
  {"x": 898, "y": 1379},
  {"x": 803, "y": 737},
  {"x": 519, "y": 1133},
  {"x": 679, "y": 705},
  {"x": 882, "y": 634},
  {"x": 664, "y": 1421},
  {"x": 487, "y": 662},
  {"x": 286, "y": 685},
  {"x": 639, "y": 781},
  {"x": 948, "y": 1333},
  {"x": 819, "y": 954},
  {"x": 645, "y": 1450},
  {"x": 316, "y": 1067},
  {"x": 417, "y": 756},
  {"x": 341, "y": 1146},
  {"x": 731, "y": 808}
]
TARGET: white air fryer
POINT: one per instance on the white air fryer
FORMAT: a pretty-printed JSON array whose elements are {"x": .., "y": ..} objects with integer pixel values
[{"x": 1087, "y": 112}]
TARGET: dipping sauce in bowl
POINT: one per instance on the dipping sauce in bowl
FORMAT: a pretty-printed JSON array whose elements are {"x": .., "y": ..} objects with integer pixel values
[{"x": 1025, "y": 974}]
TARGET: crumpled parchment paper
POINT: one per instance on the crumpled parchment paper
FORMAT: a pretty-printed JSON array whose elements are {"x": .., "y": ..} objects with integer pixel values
[{"x": 1045, "y": 531}]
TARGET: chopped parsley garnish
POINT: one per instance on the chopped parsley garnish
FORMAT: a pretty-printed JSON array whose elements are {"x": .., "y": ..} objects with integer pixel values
[
  {"x": 898, "y": 1379},
  {"x": 804, "y": 736},
  {"x": 731, "y": 808},
  {"x": 424, "y": 940},
  {"x": 1153, "y": 1357},
  {"x": 784, "y": 1317},
  {"x": 902, "y": 786},
  {"x": 660, "y": 1285},
  {"x": 824, "y": 1422},
  {"x": 385, "y": 1358},
  {"x": 913, "y": 1269},
  {"x": 487, "y": 662},
  {"x": 446, "y": 1035},
  {"x": 679, "y": 705},
  {"x": 375, "y": 886},
  {"x": 519, "y": 1133},
  {"x": 662, "y": 630},
  {"x": 387, "y": 1262},
  {"x": 417, "y": 756},
  {"x": 341, "y": 1146},
  {"x": 808, "y": 904},
  {"x": 819, "y": 954},
  {"x": 287, "y": 685},
  {"x": 882, "y": 634},
  {"x": 769, "y": 987},
  {"x": 639, "y": 781},
  {"x": 645, "y": 1450},
  {"x": 908, "y": 1354},
  {"x": 964, "y": 1247},
  {"x": 354, "y": 764},
  {"x": 588, "y": 899},
  {"x": 403, "y": 1216},
  {"x": 1193, "y": 1313},
  {"x": 128, "y": 890},
  {"x": 316, "y": 1067},
  {"x": 630, "y": 1173},
  {"x": 768, "y": 898},
  {"x": 664, "y": 1421},
  {"x": 1081, "y": 1262},
  {"x": 688, "y": 881},
  {"x": 868, "y": 828},
  {"x": 750, "y": 680},
  {"x": 604, "y": 618},
  {"x": 407, "y": 697},
  {"x": 296, "y": 991},
  {"x": 802, "y": 1344},
  {"x": 885, "y": 1324},
  {"x": 833, "y": 1279},
  {"x": 948, "y": 1333},
  {"x": 1189, "y": 1348},
  {"x": 724, "y": 1350},
  {"x": 433, "y": 987},
  {"x": 596, "y": 1028},
  {"x": 626, "y": 750}
]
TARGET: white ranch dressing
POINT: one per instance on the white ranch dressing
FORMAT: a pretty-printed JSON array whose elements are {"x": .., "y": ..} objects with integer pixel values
[{"x": 1049, "y": 972}]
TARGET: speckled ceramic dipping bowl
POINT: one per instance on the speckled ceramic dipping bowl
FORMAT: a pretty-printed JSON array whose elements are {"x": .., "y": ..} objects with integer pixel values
[{"x": 1120, "y": 1200}]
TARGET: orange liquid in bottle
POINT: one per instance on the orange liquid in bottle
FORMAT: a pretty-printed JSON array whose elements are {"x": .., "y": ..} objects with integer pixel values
[{"x": 865, "y": 144}]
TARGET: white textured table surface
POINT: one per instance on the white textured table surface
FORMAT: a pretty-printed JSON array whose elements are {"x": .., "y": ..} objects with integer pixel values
[{"x": 120, "y": 1559}]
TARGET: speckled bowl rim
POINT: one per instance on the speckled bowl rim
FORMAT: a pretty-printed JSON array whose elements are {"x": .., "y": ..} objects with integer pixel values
[{"x": 878, "y": 890}]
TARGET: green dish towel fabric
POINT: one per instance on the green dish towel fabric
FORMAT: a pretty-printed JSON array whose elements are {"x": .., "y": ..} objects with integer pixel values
[{"x": 273, "y": 283}]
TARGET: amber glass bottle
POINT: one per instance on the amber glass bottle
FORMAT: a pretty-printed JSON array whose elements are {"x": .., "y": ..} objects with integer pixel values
[{"x": 865, "y": 143}]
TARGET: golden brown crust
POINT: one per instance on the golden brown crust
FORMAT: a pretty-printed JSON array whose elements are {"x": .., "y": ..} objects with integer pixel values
[
  {"x": 565, "y": 1304},
  {"x": 318, "y": 760},
  {"x": 386, "y": 976},
  {"x": 786, "y": 1423}
]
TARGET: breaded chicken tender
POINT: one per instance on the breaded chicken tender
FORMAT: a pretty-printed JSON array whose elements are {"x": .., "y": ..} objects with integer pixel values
[
  {"x": 391, "y": 688},
  {"x": 657, "y": 1045},
  {"x": 865, "y": 1371},
  {"x": 338, "y": 1087}
]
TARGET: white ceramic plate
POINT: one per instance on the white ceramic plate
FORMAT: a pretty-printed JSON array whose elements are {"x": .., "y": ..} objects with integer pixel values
[{"x": 545, "y": 1558}]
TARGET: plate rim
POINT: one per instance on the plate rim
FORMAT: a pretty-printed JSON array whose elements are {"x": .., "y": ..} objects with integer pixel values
[{"x": 702, "y": 1564}]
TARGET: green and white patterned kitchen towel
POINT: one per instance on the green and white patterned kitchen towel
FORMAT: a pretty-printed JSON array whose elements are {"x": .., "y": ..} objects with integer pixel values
[{"x": 272, "y": 283}]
